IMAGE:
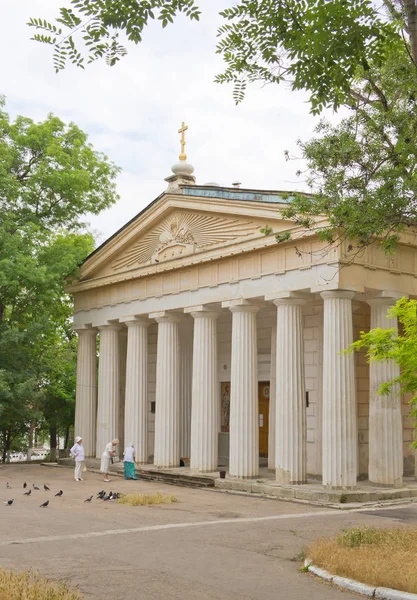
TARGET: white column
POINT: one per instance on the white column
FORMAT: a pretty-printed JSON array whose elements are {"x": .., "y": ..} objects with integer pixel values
[
  {"x": 122, "y": 371},
  {"x": 272, "y": 399},
  {"x": 167, "y": 419},
  {"x": 385, "y": 422},
  {"x": 291, "y": 449},
  {"x": 205, "y": 393},
  {"x": 86, "y": 389},
  {"x": 136, "y": 395},
  {"x": 186, "y": 373},
  {"x": 340, "y": 432},
  {"x": 108, "y": 387},
  {"x": 244, "y": 403}
]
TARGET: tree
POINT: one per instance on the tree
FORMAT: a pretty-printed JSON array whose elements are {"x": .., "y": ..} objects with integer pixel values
[
  {"x": 346, "y": 53},
  {"x": 50, "y": 177},
  {"x": 57, "y": 377},
  {"x": 399, "y": 345}
]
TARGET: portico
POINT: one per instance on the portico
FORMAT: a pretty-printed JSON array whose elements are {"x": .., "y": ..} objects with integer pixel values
[{"x": 196, "y": 311}]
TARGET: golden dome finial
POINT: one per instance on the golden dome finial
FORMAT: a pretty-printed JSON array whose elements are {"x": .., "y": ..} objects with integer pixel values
[{"x": 182, "y": 131}]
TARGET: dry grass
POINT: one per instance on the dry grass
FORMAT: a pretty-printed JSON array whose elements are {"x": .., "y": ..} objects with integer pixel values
[
  {"x": 28, "y": 586},
  {"x": 378, "y": 557},
  {"x": 146, "y": 499}
]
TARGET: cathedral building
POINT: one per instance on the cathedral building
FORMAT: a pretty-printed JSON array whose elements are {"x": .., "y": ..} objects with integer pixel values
[{"x": 220, "y": 346}]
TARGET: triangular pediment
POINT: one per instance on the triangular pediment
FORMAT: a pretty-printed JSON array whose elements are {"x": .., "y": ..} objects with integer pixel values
[
  {"x": 176, "y": 229},
  {"x": 183, "y": 233}
]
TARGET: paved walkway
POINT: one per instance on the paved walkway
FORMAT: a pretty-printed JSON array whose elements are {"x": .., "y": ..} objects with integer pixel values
[{"x": 209, "y": 545}]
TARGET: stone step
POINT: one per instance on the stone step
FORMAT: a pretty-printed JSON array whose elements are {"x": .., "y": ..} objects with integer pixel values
[{"x": 169, "y": 476}]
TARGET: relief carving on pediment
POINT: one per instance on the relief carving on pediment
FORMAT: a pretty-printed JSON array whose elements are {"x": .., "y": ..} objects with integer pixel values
[{"x": 181, "y": 234}]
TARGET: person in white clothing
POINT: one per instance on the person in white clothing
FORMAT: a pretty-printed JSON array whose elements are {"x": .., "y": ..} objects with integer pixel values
[
  {"x": 106, "y": 457},
  {"x": 77, "y": 451}
]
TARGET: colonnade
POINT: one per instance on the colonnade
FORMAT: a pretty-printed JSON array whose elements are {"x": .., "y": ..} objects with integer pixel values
[{"x": 187, "y": 394}]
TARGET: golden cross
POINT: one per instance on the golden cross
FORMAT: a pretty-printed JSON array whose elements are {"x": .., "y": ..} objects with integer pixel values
[{"x": 182, "y": 131}]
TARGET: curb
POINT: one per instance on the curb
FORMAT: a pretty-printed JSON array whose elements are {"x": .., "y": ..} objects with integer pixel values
[{"x": 356, "y": 586}]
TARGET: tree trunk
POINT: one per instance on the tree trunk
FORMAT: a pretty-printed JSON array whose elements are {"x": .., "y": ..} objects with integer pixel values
[
  {"x": 411, "y": 12},
  {"x": 67, "y": 432},
  {"x": 6, "y": 446},
  {"x": 30, "y": 443},
  {"x": 52, "y": 436},
  {"x": 4, "y": 449}
]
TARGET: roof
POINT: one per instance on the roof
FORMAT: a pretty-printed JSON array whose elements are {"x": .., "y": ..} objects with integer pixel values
[{"x": 212, "y": 191}]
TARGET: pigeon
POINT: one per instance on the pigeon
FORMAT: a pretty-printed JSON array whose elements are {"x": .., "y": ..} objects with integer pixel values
[
  {"x": 9, "y": 487},
  {"x": 59, "y": 493},
  {"x": 25, "y": 485},
  {"x": 44, "y": 505},
  {"x": 28, "y": 493},
  {"x": 89, "y": 499},
  {"x": 9, "y": 502},
  {"x": 35, "y": 487},
  {"x": 101, "y": 494},
  {"x": 109, "y": 495},
  {"x": 46, "y": 488}
]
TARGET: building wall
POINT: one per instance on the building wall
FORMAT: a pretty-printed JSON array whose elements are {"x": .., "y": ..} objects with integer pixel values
[
  {"x": 313, "y": 360},
  {"x": 361, "y": 322},
  {"x": 409, "y": 435},
  {"x": 152, "y": 345}
]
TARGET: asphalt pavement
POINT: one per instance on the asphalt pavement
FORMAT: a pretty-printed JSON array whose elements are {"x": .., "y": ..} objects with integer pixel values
[{"x": 208, "y": 545}]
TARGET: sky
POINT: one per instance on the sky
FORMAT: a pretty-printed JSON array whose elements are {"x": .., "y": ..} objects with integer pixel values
[{"x": 132, "y": 111}]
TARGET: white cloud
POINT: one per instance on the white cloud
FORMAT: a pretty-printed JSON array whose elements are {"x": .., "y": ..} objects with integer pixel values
[{"x": 132, "y": 111}]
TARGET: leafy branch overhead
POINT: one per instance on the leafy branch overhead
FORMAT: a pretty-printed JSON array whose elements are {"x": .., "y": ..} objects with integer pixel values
[
  {"x": 314, "y": 45},
  {"x": 89, "y": 29},
  {"x": 358, "y": 55}
]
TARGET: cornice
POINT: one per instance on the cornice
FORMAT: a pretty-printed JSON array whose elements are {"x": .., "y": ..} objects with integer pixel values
[{"x": 226, "y": 251}]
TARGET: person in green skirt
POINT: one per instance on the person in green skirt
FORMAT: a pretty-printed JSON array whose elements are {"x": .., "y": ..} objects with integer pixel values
[{"x": 129, "y": 462}]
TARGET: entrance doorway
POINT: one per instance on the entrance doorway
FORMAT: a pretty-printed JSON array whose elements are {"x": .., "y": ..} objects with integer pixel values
[{"x": 263, "y": 397}]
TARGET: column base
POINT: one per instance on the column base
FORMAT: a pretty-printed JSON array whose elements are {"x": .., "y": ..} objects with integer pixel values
[
  {"x": 283, "y": 477},
  {"x": 340, "y": 487},
  {"x": 195, "y": 470},
  {"x": 398, "y": 483}
]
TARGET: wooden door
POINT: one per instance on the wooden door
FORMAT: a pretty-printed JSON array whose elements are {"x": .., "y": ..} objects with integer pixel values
[{"x": 263, "y": 396}]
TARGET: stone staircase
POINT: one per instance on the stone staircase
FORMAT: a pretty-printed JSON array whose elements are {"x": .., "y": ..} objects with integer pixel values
[{"x": 179, "y": 476}]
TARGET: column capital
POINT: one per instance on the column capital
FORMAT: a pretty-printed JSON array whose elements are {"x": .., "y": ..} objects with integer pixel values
[
  {"x": 347, "y": 294},
  {"x": 290, "y": 301},
  {"x": 200, "y": 311},
  {"x": 85, "y": 330},
  {"x": 164, "y": 316},
  {"x": 205, "y": 314},
  {"x": 135, "y": 321},
  {"x": 384, "y": 297},
  {"x": 241, "y": 305}
]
